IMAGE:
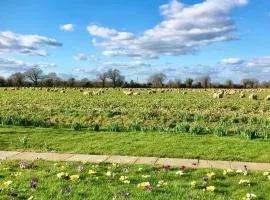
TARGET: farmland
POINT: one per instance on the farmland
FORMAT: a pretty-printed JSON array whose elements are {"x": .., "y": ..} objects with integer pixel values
[
  {"x": 174, "y": 123},
  {"x": 195, "y": 111}
]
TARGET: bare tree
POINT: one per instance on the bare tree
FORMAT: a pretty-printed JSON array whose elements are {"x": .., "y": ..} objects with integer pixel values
[
  {"x": 229, "y": 83},
  {"x": 157, "y": 80},
  {"x": 17, "y": 79},
  {"x": 205, "y": 81},
  {"x": 115, "y": 76},
  {"x": 34, "y": 75},
  {"x": 189, "y": 82},
  {"x": 102, "y": 77}
]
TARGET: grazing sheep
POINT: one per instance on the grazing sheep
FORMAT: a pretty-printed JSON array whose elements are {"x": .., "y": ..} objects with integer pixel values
[
  {"x": 267, "y": 98},
  {"x": 242, "y": 95},
  {"x": 253, "y": 96},
  {"x": 218, "y": 95},
  {"x": 136, "y": 93},
  {"x": 128, "y": 93},
  {"x": 87, "y": 93}
]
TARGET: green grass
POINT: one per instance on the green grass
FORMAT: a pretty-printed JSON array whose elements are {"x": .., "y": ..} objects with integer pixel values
[
  {"x": 138, "y": 144},
  {"x": 40, "y": 181}
]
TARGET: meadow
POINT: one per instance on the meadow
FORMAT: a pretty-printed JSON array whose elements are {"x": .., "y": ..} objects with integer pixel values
[
  {"x": 179, "y": 123},
  {"x": 75, "y": 180}
]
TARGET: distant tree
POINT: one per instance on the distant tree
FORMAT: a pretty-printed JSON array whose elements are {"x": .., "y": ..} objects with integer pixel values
[
  {"x": 71, "y": 82},
  {"x": 205, "y": 81},
  {"x": 51, "y": 80},
  {"x": 2, "y": 81},
  {"x": 229, "y": 84},
  {"x": 17, "y": 79},
  {"x": 116, "y": 77},
  {"x": 189, "y": 82},
  {"x": 157, "y": 80},
  {"x": 174, "y": 84},
  {"x": 34, "y": 75},
  {"x": 102, "y": 77},
  {"x": 250, "y": 83}
]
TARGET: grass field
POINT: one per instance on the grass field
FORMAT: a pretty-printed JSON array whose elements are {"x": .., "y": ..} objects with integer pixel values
[
  {"x": 47, "y": 180},
  {"x": 135, "y": 143},
  {"x": 170, "y": 123}
]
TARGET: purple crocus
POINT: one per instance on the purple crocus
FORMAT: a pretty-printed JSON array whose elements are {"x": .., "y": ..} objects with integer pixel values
[
  {"x": 22, "y": 164},
  {"x": 34, "y": 180},
  {"x": 205, "y": 179},
  {"x": 68, "y": 189},
  {"x": 80, "y": 169},
  {"x": 12, "y": 194},
  {"x": 33, "y": 185}
]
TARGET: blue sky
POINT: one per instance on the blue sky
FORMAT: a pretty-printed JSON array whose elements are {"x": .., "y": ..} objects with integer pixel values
[{"x": 225, "y": 39}]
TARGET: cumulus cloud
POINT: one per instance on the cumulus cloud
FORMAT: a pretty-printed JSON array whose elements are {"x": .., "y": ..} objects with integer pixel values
[
  {"x": 67, "y": 27},
  {"x": 184, "y": 29},
  {"x": 125, "y": 65},
  {"x": 25, "y": 44},
  {"x": 13, "y": 65},
  {"x": 232, "y": 61}
]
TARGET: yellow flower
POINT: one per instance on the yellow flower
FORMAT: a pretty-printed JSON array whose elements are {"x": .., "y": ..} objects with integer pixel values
[
  {"x": 193, "y": 183},
  {"x": 228, "y": 172},
  {"x": 211, "y": 175},
  {"x": 74, "y": 177},
  {"x": 91, "y": 172},
  {"x": 7, "y": 183},
  {"x": 210, "y": 188},
  {"x": 143, "y": 185},
  {"x": 62, "y": 175},
  {"x": 161, "y": 183},
  {"x": 17, "y": 174},
  {"x": 30, "y": 198}
]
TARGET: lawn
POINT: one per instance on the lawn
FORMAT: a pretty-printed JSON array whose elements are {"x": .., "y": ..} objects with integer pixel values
[
  {"x": 45, "y": 180},
  {"x": 138, "y": 144}
]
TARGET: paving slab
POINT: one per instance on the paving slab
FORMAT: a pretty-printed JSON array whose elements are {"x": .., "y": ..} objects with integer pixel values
[
  {"x": 176, "y": 162},
  {"x": 134, "y": 160},
  {"x": 146, "y": 160},
  {"x": 7, "y": 154},
  {"x": 122, "y": 159},
  {"x": 44, "y": 156},
  {"x": 88, "y": 158}
]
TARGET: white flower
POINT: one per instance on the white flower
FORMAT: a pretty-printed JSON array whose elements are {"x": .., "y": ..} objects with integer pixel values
[
  {"x": 140, "y": 169},
  {"x": 179, "y": 173},
  {"x": 266, "y": 173},
  {"x": 244, "y": 182},
  {"x": 250, "y": 196},
  {"x": 145, "y": 176},
  {"x": 161, "y": 183}
]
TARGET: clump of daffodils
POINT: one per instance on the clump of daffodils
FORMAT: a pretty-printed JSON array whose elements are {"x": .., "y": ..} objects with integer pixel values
[
  {"x": 74, "y": 177},
  {"x": 62, "y": 175},
  {"x": 91, "y": 172},
  {"x": 124, "y": 179},
  {"x": 162, "y": 183},
  {"x": 228, "y": 172},
  {"x": 110, "y": 174},
  {"x": 210, "y": 188},
  {"x": 244, "y": 182},
  {"x": 145, "y": 176},
  {"x": 193, "y": 184},
  {"x": 144, "y": 186},
  {"x": 7, "y": 183},
  {"x": 211, "y": 175}
]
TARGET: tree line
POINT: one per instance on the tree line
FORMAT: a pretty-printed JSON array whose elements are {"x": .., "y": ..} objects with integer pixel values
[{"x": 35, "y": 77}]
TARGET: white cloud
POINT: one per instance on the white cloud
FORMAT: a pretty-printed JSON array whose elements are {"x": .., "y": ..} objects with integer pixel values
[
  {"x": 67, "y": 27},
  {"x": 11, "y": 43},
  {"x": 260, "y": 62},
  {"x": 232, "y": 61},
  {"x": 85, "y": 57},
  {"x": 124, "y": 65},
  {"x": 13, "y": 65},
  {"x": 183, "y": 30}
]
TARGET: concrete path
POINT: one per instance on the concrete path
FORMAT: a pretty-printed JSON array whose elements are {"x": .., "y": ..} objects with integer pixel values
[{"x": 15, "y": 155}]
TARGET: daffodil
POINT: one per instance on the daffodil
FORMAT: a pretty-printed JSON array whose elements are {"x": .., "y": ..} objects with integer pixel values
[
  {"x": 62, "y": 175},
  {"x": 210, "y": 188},
  {"x": 244, "y": 182},
  {"x": 143, "y": 185},
  {"x": 92, "y": 172},
  {"x": 74, "y": 177},
  {"x": 266, "y": 173},
  {"x": 211, "y": 175},
  {"x": 228, "y": 172},
  {"x": 7, "y": 183}
]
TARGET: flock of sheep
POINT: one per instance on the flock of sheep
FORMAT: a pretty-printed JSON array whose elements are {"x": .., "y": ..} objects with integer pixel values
[{"x": 217, "y": 94}]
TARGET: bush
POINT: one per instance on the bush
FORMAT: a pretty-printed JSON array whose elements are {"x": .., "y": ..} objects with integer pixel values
[
  {"x": 77, "y": 126},
  {"x": 95, "y": 127},
  {"x": 182, "y": 127},
  {"x": 134, "y": 126},
  {"x": 221, "y": 130}
]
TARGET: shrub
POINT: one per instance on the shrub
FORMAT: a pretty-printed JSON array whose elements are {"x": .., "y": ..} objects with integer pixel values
[
  {"x": 221, "y": 130},
  {"x": 114, "y": 127},
  {"x": 134, "y": 126},
  {"x": 95, "y": 127},
  {"x": 77, "y": 126}
]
